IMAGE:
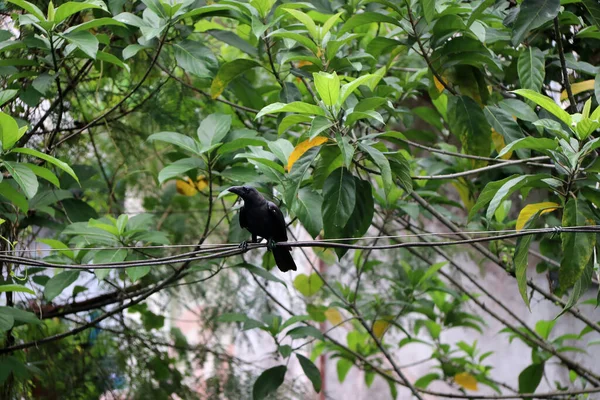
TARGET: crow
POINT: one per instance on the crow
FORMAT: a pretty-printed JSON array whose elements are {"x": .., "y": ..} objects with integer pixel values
[{"x": 264, "y": 219}]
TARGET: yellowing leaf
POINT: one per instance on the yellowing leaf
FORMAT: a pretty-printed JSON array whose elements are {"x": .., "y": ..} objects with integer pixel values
[
  {"x": 186, "y": 188},
  {"x": 201, "y": 182},
  {"x": 465, "y": 194},
  {"x": 577, "y": 88},
  {"x": 466, "y": 380},
  {"x": 333, "y": 316},
  {"x": 303, "y": 148},
  {"x": 499, "y": 144},
  {"x": 380, "y": 327},
  {"x": 530, "y": 209},
  {"x": 303, "y": 64},
  {"x": 439, "y": 85}
]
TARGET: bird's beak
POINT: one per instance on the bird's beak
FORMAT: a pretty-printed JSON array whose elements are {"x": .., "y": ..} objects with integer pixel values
[{"x": 235, "y": 189}]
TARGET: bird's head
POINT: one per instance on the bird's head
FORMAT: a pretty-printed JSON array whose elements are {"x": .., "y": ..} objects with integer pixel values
[{"x": 248, "y": 193}]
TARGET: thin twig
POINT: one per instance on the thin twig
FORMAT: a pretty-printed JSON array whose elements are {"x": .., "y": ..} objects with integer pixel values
[{"x": 563, "y": 64}]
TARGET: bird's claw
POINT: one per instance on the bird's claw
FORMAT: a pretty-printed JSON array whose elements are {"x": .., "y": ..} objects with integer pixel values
[
  {"x": 244, "y": 245},
  {"x": 271, "y": 244}
]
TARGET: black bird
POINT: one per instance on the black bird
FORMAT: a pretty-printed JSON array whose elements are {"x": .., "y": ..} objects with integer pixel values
[{"x": 264, "y": 219}]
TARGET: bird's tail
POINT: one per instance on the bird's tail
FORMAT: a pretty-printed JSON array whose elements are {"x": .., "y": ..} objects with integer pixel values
[{"x": 283, "y": 259}]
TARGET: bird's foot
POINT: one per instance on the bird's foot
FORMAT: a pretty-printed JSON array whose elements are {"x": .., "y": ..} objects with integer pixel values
[
  {"x": 244, "y": 246},
  {"x": 271, "y": 244}
]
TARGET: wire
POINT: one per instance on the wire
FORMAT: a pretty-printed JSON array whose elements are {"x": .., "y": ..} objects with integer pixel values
[
  {"x": 205, "y": 254},
  {"x": 222, "y": 245}
]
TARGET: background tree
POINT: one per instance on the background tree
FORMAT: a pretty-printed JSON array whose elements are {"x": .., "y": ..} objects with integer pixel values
[{"x": 372, "y": 123}]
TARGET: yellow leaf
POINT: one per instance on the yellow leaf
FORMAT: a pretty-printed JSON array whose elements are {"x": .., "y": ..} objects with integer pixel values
[
  {"x": 186, "y": 188},
  {"x": 304, "y": 64},
  {"x": 530, "y": 209},
  {"x": 499, "y": 144},
  {"x": 333, "y": 316},
  {"x": 380, "y": 327},
  {"x": 303, "y": 148},
  {"x": 577, "y": 88},
  {"x": 201, "y": 183},
  {"x": 466, "y": 380},
  {"x": 439, "y": 85}
]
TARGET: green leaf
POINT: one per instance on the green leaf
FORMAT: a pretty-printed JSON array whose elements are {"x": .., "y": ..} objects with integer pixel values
[
  {"x": 6, "y": 321},
  {"x": 328, "y": 87},
  {"x": 306, "y": 20},
  {"x": 509, "y": 188},
  {"x": 304, "y": 207},
  {"x": 95, "y": 23},
  {"x": 425, "y": 380},
  {"x": 384, "y": 166},
  {"x": 179, "y": 167},
  {"x": 346, "y": 149},
  {"x": 130, "y": 19},
  {"x": 56, "y": 162},
  {"x": 577, "y": 247},
  {"x": 263, "y": 273},
  {"x": 366, "y": 18},
  {"x": 401, "y": 170},
  {"x": 241, "y": 143},
  {"x": 308, "y": 285},
  {"x": 43, "y": 173},
  {"x": 10, "y": 193},
  {"x": 297, "y": 175},
  {"x": 594, "y": 9},
  {"x": 302, "y": 39},
  {"x": 533, "y": 14},
  {"x": 112, "y": 59},
  {"x": 546, "y": 103},
  {"x": 85, "y": 41},
  {"x": 22, "y": 316},
  {"x": 532, "y": 143},
  {"x": 30, "y": 8},
  {"x": 195, "y": 58},
  {"x": 530, "y": 378},
  {"x": 291, "y": 120},
  {"x": 268, "y": 382},
  {"x": 228, "y": 72},
  {"x": 137, "y": 273},
  {"x": 339, "y": 199},
  {"x": 24, "y": 177},
  {"x": 581, "y": 286},
  {"x": 304, "y": 331},
  {"x": 213, "y": 129},
  {"x": 343, "y": 367},
  {"x": 544, "y": 328},
  {"x": 69, "y": 8},
  {"x": 468, "y": 123},
  {"x": 318, "y": 125},
  {"x": 297, "y": 106},
  {"x": 519, "y": 109},
  {"x": 232, "y": 317},
  {"x": 58, "y": 283},
  {"x": 15, "y": 288},
  {"x": 428, "y": 7},
  {"x": 5, "y": 96},
  {"x": 531, "y": 68},
  {"x": 179, "y": 140},
  {"x": 311, "y": 372},
  {"x": 503, "y": 123},
  {"x": 348, "y": 88},
  {"x": 521, "y": 259},
  {"x": 9, "y": 131}
]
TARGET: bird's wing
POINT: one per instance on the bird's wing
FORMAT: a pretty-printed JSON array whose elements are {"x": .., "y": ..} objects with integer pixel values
[
  {"x": 242, "y": 217},
  {"x": 279, "y": 225}
]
